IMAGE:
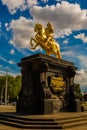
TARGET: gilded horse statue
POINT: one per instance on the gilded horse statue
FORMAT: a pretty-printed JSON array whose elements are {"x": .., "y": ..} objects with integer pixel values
[{"x": 45, "y": 40}]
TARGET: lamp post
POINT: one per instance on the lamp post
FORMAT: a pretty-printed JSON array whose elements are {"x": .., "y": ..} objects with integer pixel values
[
  {"x": 2, "y": 93},
  {"x": 6, "y": 85}
]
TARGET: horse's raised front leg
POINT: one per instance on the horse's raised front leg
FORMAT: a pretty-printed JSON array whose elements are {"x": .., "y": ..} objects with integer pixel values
[
  {"x": 33, "y": 47},
  {"x": 31, "y": 41}
]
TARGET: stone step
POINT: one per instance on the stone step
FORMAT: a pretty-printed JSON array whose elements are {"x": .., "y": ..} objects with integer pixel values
[
  {"x": 28, "y": 126},
  {"x": 59, "y": 121},
  {"x": 70, "y": 120},
  {"x": 50, "y": 117},
  {"x": 24, "y": 118},
  {"x": 31, "y": 122},
  {"x": 74, "y": 124}
]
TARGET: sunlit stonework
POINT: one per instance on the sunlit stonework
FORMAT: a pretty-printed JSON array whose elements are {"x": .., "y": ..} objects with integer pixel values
[{"x": 45, "y": 40}]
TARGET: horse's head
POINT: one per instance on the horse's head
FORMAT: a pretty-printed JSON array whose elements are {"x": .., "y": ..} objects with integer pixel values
[{"x": 37, "y": 27}]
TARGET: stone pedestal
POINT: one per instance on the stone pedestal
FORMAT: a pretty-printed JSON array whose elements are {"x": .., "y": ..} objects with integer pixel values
[
  {"x": 52, "y": 106},
  {"x": 45, "y": 82}
]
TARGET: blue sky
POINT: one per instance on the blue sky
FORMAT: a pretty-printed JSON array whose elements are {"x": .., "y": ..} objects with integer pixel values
[{"x": 18, "y": 18}]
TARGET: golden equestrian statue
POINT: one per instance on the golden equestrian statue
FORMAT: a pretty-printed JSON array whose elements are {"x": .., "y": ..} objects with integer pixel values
[{"x": 45, "y": 40}]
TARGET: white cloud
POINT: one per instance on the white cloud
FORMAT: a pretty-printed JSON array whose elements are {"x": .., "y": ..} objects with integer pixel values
[
  {"x": 68, "y": 53},
  {"x": 12, "y": 51},
  {"x": 66, "y": 17},
  {"x": 82, "y": 37},
  {"x": 14, "y": 5},
  {"x": 81, "y": 72},
  {"x": 0, "y": 24},
  {"x": 81, "y": 77},
  {"x": 0, "y": 66},
  {"x": 7, "y": 26},
  {"x": 59, "y": 0},
  {"x": 2, "y": 58},
  {"x": 32, "y": 3},
  {"x": 82, "y": 60},
  {"x": 2, "y": 73},
  {"x": 66, "y": 41},
  {"x": 44, "y": 1},
  {"x": 0, "y": 29},
  {"x": 6, "y": 60},
  {"x": 14, "y": 74},
  {"x": 22, "y": 32},
  {"x": 11, "y": 62}
]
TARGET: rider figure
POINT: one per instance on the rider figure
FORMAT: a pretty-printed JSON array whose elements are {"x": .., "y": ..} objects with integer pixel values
[{"x": 49, "y": 30}]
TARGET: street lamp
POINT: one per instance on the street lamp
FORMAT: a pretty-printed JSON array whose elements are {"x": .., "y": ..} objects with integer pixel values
[
  {"x": 2, "y": 93},
  {"x": 6, "y": 85}
]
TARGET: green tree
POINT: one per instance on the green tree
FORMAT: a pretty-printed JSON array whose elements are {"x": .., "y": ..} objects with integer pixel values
[
  {"x": 78, "y": 90},
  {"x": 2, "y": 86},
  {"x": 13, "y": 86}
]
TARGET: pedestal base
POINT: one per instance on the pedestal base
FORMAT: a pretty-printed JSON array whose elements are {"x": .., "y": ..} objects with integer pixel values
[
  {"x": 42, "y": 78},
  {"x": 52, "y": 106}
]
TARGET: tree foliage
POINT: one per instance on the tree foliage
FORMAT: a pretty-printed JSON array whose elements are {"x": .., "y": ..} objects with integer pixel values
[
  {"x": 13, "y": 86},
  {"x": 78, "y": 90}
]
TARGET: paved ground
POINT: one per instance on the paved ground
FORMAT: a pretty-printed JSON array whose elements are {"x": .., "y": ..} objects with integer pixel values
[
  {"x": 13, "y": 109},
  {"x": 7, "y": 108},
  {"x": 3, "y": 127},
  {"x": 78, "y": 128}
]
